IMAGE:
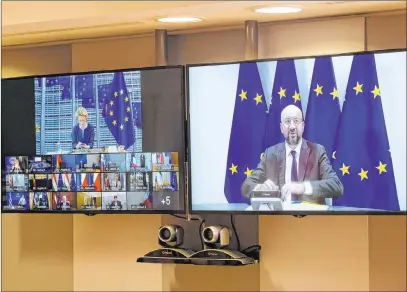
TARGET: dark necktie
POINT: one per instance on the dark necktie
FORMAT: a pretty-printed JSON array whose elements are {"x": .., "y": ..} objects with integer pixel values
[{"x": 294, "y": 174}]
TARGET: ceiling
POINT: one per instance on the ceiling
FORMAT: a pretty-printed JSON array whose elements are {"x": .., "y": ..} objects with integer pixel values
[{"x": 36, "y": 22}]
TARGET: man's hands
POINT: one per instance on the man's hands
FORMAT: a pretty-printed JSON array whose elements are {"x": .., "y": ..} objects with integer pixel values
[
  {"x": 81, "y": 145},
  {"x": 292, "y": 188}
]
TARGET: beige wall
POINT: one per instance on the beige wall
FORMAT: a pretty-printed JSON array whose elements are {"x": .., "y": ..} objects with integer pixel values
[
  {"x": 348, "y": 253},
  {"x": 42, "y": 60}
]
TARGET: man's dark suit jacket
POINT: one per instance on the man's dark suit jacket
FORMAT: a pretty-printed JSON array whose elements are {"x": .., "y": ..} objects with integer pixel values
[
  {"x": 68, "y": 205},
  {"x": 88, "y": 135},
  {"x": 314, "y": 166},
  {"x": 119, "y": 204}
]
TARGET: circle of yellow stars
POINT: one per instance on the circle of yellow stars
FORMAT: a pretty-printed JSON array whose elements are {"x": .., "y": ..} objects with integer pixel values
[
  {"x": 318, "y": 90},
  {"x": 233, "y": 168},
  {"x": 128, "y": 109},
  {"x": 334, "y": 92},
  {"x": 363, "y": 173},
  {"x": 282, "y": 94}
]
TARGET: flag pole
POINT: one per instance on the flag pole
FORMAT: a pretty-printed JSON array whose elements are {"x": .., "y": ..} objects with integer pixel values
[{"x": 96, "y": 93}]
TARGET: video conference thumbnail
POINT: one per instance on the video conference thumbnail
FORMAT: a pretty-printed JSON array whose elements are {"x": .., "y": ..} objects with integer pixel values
[
  {"x": 138, "y": 162},
  {"x": 64, "y": 201},
  {"x": 89, "y": 181},
  {"x": 40, "y": 164},
  {"x": 165, "y": 161},
  {"x": 113, "y": 162},
  {"x": 16, "y": 183},
  {"x": 114, "y": 181},
  {"x": 17, "y": 201},
  {"x": 101, "y": 110},
  {"x": 40, "y": 201},
  {"x": 165, "y": 181},
  {"x": 63, "y": 163},
  {"x": 139, "y": 181},
  {"x": 139, "y": 200},
  {"x": 87, "y": 162},
  {"x": 16, "y": 164},
  {"x": 89, "y": 200},
  {"x": 40, "y": 182},
  {"x": 64, "y": 182},
  {"x": 114, "y": 201}
]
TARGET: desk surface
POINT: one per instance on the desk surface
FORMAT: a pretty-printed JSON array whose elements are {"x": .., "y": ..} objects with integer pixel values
[{"x": 246, "y": 207}]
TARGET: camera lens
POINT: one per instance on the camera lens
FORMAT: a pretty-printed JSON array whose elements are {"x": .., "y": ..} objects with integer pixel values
[
  {"x": 165, "y": 234},
  {"x": 208, "y": 234}
]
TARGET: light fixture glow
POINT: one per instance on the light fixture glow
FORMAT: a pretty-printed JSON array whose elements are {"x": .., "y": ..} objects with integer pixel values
[
  {"x": 179, "y": 19},
  {"x": 278, "y": 10}
]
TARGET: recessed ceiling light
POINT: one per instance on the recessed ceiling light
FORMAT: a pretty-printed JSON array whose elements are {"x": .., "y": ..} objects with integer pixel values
[
  {"x": 179, "y": 19},
  {"x": 278, "y": 10}
]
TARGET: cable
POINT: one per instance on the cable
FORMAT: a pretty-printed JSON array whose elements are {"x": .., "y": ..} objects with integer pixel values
[
  {"x": 200, "y": 233},
  {"x": 252, "y": 248},
  {"x": 181, "y": 217},
  {"x": 234, "y": 230}
]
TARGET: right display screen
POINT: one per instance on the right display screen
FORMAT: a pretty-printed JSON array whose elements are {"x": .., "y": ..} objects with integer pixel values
[{"x": 321, "y": 134}]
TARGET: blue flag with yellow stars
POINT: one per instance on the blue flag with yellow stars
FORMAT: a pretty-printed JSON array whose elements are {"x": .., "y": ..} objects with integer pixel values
[
  {"x": 323, "y": 110},
  {"x": 247, "y": 131},
  {"x": 285, "y": 92},
  {"x": 84, "y": 87},
  {"x": 73, "y": 183},
  {"x": 363, "y": 158},
  {"x": 118, "y": 112}
]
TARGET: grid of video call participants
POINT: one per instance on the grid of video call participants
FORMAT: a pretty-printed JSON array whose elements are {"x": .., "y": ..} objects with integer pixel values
[{"x": 92, "y": 182}]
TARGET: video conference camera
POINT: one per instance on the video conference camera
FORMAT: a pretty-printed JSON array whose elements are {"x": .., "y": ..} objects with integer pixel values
[
  {"x": 171, "y": 236},
  {"x": 216, "y": 236},
  {"x": 216, "y": 239}
]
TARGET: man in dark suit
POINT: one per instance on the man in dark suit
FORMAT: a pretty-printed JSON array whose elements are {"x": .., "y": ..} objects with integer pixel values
[
  {"x": 300, "y": 169},
  {"x": 64, "y": 204},
  {"x": 83, "y": 133},
  {"x": 116, "y": 204}
]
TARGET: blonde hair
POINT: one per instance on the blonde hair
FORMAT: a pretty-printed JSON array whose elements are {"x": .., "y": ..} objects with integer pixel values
[{"x": 81, "y": 111}]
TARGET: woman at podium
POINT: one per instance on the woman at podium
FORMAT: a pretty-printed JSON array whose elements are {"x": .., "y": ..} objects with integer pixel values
[{"x": 83, "y": 133}]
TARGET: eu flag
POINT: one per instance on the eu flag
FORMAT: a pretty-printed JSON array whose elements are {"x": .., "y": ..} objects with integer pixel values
[
  {"x": 247, "y": 132},
  {"x": 323, "y": 110},
  {"x": 60, "y": 182},
  {"x": 103, "y": 92},
  {"x": 137, "y": 114},
  {"x": 84, "y": 86},
  {"x": 51, "y": 81},
  {"x": 174, "y": 181},
  {"x": 118, "y": 112},
  {"x": 285, "y": 92},
  {"x": 65, "y": 82},
  {"x": 73, "y": 183},
  {"x": 363, "y": 158}
]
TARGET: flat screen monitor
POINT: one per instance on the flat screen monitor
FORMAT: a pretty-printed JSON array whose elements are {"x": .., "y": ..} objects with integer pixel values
[
  {"x": 98, "y": 142},
  {"x": 310, "y": 135}
]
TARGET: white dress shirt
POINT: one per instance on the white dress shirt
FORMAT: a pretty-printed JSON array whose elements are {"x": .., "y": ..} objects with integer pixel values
[{"x": 288, "y": 165}]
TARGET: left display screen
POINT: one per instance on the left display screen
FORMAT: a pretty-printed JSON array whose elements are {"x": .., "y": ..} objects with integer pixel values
[{"x": 102, "y": 142}]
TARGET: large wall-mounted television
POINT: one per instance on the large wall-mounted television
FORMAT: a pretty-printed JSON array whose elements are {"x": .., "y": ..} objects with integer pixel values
[
  {"x": 310, "y": 135},
  {"x": 94, "y": 142}
]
